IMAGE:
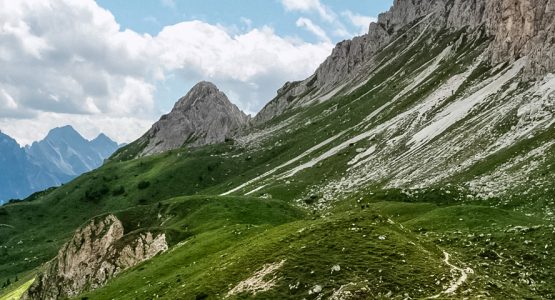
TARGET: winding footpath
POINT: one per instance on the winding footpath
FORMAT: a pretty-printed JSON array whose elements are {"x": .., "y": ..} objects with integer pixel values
[{"x": 456, "y": 284}]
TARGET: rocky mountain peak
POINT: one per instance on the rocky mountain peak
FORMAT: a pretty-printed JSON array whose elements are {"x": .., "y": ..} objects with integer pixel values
[
  {"x": 203, "y": 116},
  {"x": 64, "y": 133},
  {"x": 514, "y": 29},
  {"x": 101, "y": 137},
  {"x": 202, "y": 91}
]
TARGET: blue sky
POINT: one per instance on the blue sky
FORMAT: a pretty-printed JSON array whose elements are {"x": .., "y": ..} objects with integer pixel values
[
  {"x": 237, "y": 16},
  {"x": 115, "y": 66},
  {"x": 152, "y": 15}
]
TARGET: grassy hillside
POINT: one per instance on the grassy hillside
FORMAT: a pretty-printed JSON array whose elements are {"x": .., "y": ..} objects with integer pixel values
[
  {"x": 302, "y": 219},
  {"x": 386, "y": 248}
]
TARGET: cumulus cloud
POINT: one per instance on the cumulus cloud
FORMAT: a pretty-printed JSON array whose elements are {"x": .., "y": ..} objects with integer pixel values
[
  {"x": 251, "y": 65},
  {"x": 69, "y": 57},
  {"x": 310, "y": 6},
  {"x": 313, "y": 28},
  {"x": 360, "y": 21},
  {"x": 70, "y": 62}
]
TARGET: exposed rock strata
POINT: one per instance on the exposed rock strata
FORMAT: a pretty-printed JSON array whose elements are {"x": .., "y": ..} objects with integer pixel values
[
  {"x": 517, "y": 28},
  {"x": 204, "y": 116},
  {"x": 97, "y": 252}
]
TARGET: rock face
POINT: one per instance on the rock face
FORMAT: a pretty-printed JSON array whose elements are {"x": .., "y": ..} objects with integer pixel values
[
  {"x": 204, "y": 116},
  {"x": 97, "y": 252},
  {"x": 516, "y": 28}
]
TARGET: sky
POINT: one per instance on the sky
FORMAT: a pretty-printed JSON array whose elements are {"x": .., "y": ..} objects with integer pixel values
[{"x": 115, "y": 66}]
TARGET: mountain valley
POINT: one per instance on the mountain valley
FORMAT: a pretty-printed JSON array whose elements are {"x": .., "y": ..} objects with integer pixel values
[{"x": 417, "y": 162}]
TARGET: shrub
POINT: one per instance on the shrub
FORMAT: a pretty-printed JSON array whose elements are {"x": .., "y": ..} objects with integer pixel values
[
  {"x": 120, "y": 190},
  {"x": 143, "y": 184},
  {"x": 95, "y": 194},
  {"x": 201, "y": 296}
]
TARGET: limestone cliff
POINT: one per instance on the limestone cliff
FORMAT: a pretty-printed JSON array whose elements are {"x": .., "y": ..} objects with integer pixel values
[
  {"x": 516, "y": 28},
  {"x": 97, "y": 252}
]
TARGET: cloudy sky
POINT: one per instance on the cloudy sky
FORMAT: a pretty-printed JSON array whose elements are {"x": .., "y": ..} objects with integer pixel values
[{"x": 115, "y": 66}]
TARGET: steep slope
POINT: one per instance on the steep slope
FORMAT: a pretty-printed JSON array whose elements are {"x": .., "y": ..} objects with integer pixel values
[
  {"x": 425, "y": 169},
  {"x": 431, "y": 92},
  {"x": 204, "y": 116},
  {"x": 517, "y": 29},
  {"x": 61, "y": 156}
]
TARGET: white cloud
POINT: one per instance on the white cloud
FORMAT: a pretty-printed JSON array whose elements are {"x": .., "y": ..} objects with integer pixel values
[
  {"x": 69, "y": 62},
  {"x": 336, "y": 27},
  {"x": 359, "y": 21},
  {"x": 313, "y": 28},
  {"x": 310, "y": 6},
  {"x": 252, "y": 65},
  {"x": 168, "y": 3}
]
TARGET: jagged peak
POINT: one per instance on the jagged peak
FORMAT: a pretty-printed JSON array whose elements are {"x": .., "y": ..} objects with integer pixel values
[
  {"x": 8, "y": 139},
  {"x": 102, "y": 137},
  {"x": 67, "y": 129},
  {"x": 205, "y": 85},
  {"x": 203, "y": 116},
  {"x": 199, "y": 93},
  {"x": 514, "y": 31}
]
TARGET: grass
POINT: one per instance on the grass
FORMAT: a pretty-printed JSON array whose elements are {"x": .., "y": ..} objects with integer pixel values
[
  {"x": 17, "y": 292},
  {"x": 408, "y": 260}
]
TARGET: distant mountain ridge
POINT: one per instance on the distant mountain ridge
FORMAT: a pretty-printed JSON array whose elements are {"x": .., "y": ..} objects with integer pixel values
[{"x": 61, "y": 156}]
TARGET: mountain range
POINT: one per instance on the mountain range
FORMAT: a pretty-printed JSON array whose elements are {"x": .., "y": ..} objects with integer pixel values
[
  {"x": 417, "y": 162},
  {"x": 61, "y": 156}
]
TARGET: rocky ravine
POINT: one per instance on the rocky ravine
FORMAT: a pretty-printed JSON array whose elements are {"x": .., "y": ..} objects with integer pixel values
[
  {"x": 516, "y": 28},
  {"x": 97, "y": 252},
  {"x": 204, "y": 116}
]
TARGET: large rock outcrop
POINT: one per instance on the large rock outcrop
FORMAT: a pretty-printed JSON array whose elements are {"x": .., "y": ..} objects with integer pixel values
[
  {"x": 516, "y": 28},
  {"x": 204, "y": 116},
  {"x": 96, "y": 252}
]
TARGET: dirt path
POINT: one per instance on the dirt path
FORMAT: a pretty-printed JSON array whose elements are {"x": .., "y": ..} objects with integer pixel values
[{"x": 457, "y": 283}]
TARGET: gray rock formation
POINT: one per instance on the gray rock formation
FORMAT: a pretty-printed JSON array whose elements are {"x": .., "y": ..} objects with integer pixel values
[
  {"x": 516, "y": 28},
  {"x": 204, "y": 116},
  {"x": 97, "y": 252}
]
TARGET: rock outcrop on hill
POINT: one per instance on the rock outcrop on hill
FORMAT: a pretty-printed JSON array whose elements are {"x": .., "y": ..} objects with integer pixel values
[{"x": 97, "y": 252}]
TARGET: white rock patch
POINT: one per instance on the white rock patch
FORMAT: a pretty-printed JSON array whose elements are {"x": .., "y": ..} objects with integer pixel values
[{"x": 257, "y": 282}]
